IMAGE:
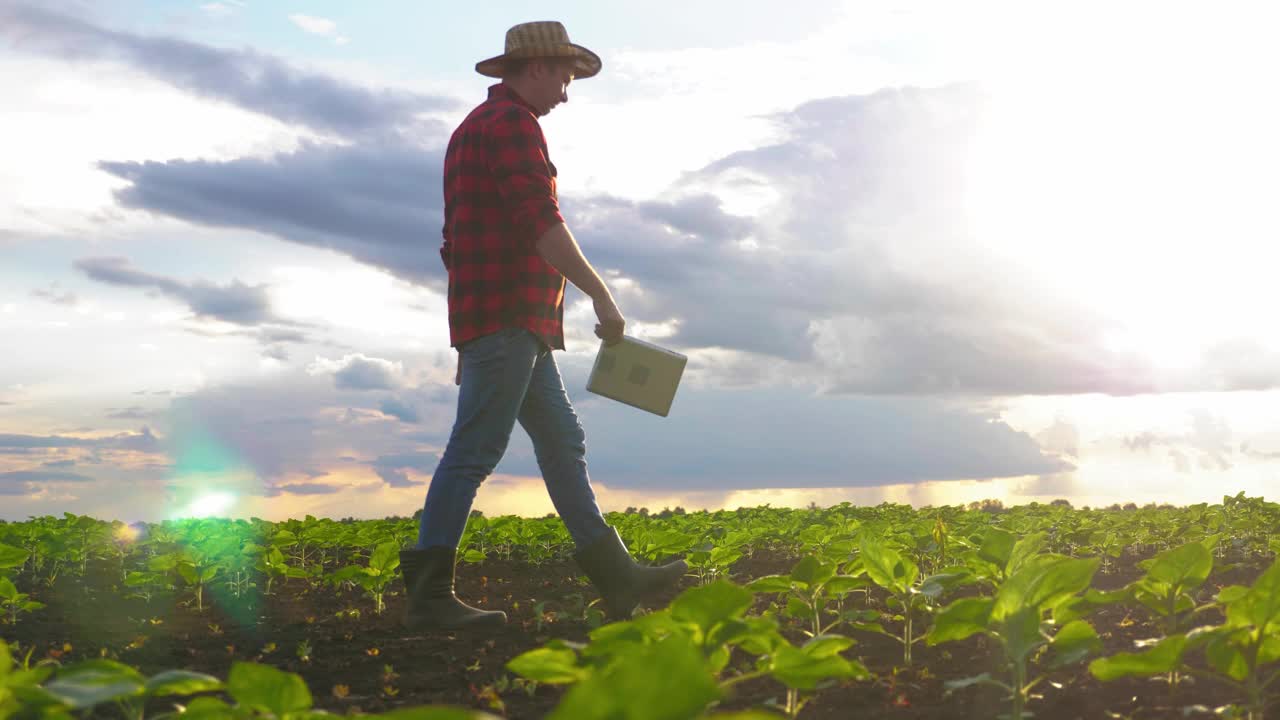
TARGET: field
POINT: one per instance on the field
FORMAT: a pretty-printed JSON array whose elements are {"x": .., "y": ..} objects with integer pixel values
[{"x": 870, "y": 612}]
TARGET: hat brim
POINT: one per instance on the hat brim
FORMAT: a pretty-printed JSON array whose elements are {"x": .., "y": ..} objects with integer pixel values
[{"x": 587, "y": 63}]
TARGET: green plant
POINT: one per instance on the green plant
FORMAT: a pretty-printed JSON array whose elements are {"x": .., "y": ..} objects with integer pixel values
[
  {"x": 910, "y": 594},
  {"x": 1242, "y": 652},
  {"x": 15, "y": 602},
  {"x": 666, "y": 664},
  {"x": 811, "y": 587},
  {"x": 376, "y": 576},
  {"x": 1015, "y": 619}
]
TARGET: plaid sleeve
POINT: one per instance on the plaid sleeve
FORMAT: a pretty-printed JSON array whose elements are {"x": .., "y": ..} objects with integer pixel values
[{"x": 523, "y": 173}]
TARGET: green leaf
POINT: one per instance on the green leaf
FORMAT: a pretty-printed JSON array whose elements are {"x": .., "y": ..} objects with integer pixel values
[
  {"x": 960, "y": 619},
  {"x": 796, "y": 668},
  {"x": 842, "y": 584},
  {"x": 711, "y": 604},
  {"x": 386, "y": 557},
  {"x": 1042, "y": 581},
  {"x": 1224, "y": 652},
  {"x": 1107, "y": 597},
  {"x": 91, "y": 682},
  {"x": 1262, "y": 604},
  {"x": 770, "y": 584},
  {"x": 1163, "y": 657},
  {"x": 211, "y": 708},
  {"x": 935, "y": 584},
  {"x": 887, "y": 568},
  {"x": 181, "y": 682},
  {"x": 1183, "y": 567},
  {"x": 266, "y": 688},
  {"x": 548, "y": 665},
  {"x": 1231, "y": 593},
  {"x": 996, "y": 547},
  {"x": 797, "y": 608},
  {"x": 812, "y": 572},
  {"x": 1024, "y": 550},
  {"x": 826, "y": 645},
  {"x": 1073, "y": 643},
  {"x": 12, "y": 557},
  {"x": 473, "y": 556},
  {"x": 665, "y": 680},
  {"x": 7, "y": 590}
]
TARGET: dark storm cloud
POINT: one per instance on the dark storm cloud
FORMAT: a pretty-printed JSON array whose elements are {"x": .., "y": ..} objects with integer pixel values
[{"x": 249, "y": 79}]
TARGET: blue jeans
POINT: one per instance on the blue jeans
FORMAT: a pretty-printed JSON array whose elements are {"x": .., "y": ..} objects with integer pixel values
[{"x": 510, "y": 375}]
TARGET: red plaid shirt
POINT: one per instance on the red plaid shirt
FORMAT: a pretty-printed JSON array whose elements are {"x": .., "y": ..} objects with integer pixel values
[{"x": 499, "y": 198}]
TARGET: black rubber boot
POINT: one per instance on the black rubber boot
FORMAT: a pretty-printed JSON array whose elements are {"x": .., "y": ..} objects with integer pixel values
[
  {"x": 432, "y": 605},
  {"x": 622, "y": 582}
]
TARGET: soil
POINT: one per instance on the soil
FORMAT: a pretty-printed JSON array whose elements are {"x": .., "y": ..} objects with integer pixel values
[{"x": 365, "y": 662}]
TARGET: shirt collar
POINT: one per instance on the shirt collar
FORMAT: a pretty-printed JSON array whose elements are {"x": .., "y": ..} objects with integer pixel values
[{"x": 503, "y": 90}]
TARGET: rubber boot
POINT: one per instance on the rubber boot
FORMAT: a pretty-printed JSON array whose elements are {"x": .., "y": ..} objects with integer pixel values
[
  {"x": 432, "y": 605},
  {"x": 622, "y": 582}
]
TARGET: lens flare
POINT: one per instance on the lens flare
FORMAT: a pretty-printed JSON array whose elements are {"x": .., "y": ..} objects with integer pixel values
[{"x": 209, "y": 505}]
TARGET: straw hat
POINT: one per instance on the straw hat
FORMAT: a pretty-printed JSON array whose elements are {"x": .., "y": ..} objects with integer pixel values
[{"x": 541, "y": 39}]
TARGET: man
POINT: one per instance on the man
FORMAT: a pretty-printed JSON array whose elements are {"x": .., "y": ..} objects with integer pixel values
[{"x": 508, "y": 252}]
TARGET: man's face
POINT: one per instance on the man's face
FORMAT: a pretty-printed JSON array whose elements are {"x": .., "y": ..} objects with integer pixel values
[{"x": 551, "y": 80}]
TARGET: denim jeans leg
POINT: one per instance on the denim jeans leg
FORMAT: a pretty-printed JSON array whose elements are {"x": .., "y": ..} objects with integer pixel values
[
  {"x": 495, "y": 377},
  {"x": 559, "y": 444}
]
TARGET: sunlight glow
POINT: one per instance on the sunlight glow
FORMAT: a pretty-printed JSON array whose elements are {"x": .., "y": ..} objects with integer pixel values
[
  {"x": 1134, "y": 183},
  {"x": 209, "y": 505}
]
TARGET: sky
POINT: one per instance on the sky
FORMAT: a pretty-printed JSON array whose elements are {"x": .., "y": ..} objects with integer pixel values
[{"x": 921, "y": 252}]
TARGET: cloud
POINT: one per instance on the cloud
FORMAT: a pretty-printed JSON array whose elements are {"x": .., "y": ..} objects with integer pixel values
[
  {"x": 234, "y": 303},
  {"x": 42, "y": 476},
  {"x": 1209, "y": 441},
  {"x": 399, "y": 410},
  {"x": 310, "y": 489},
  {"x": 142, "y": 441},
  {"x": 319, "y": 26},
  {"x": 222, "y": 9},
  {"x": 135, "y": 412},
  {"x": 252, "y": 80},
  {"x": 358, "y": 372},
  {"x": 1241, "y": 364},
  {"x": 374, "y": 201},
  {"x": 52, "y": 295},
  {"x": 863, "y": 274}
]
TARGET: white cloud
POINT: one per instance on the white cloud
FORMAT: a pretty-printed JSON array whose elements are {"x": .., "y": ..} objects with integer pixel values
[
  {"x": 62, "y": 119},
  {"x": 9, "y": 308},
  {"x": 319, "y": 26},
  {"x": 359, "y": 372},
  {"x": 223, "y": 8}
]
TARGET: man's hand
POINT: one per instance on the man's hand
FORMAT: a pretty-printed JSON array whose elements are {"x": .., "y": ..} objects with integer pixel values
[{"x": 611, "y": 322}]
